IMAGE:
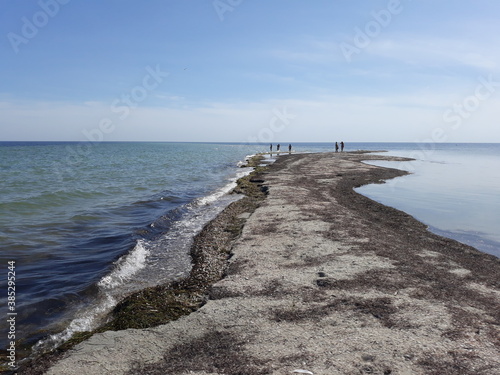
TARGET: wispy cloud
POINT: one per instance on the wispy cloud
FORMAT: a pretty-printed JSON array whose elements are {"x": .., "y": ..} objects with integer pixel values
[
  {"x": 434, "y": 52},
  {"x": 174, "y": 98},
  {"x": 271, "y": 77},
  {"x": 352, "y": 117}
]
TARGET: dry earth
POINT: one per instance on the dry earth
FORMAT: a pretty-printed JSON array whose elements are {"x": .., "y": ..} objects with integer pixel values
[{"x": 326, "y": 281}]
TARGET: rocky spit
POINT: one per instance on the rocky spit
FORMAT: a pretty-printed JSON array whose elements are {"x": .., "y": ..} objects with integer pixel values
[{"x": 321, "y": 280}]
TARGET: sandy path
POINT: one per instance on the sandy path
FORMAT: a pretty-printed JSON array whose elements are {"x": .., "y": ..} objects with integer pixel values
[{"x": 327, "y": 281}]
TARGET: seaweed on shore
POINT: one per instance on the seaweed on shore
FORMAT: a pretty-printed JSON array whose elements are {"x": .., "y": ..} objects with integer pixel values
[
  {"x": 214, "y": 352},
  {"x": 210, "y": 251},
  {"x": 164, "y": 303}
]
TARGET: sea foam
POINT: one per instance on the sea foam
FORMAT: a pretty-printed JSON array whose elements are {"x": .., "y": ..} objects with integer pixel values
[
  {"x": 218, "y": 194},
  {"x": 126, "y": 266}
]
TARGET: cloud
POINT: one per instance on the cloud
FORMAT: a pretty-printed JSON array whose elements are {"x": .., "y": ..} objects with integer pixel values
[
  {"x": 431, "y": 52},
  {"x": 378, "y": 118},
  {"x": 271, "y": 77},
  {"x": 170, "y": 97}
]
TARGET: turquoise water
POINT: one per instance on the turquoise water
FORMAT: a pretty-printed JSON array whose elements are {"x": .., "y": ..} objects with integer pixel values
[{"x": 88, "y": 223}]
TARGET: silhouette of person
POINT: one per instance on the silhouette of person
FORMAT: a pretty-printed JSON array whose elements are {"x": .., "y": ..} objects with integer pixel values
[
  {"x": 341, "y": 146},
  {"x": 271, "y": 148},
  {"x": 278, "y": 147},
  {"x": 336, "y": 147},
  {"x": 289, "y": 148}
]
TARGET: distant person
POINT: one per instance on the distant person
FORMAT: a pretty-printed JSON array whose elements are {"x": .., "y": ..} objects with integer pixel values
[
  {"x": 278, "y": 147},
  {"x": 271, "y": 148},
  {"x": 341, "y": 146},
  {"x": 289, "y": 148},
  {"x": 336, "y": 147}
]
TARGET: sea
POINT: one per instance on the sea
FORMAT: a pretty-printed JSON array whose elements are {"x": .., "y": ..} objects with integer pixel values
[{"x": 82, "y": 225}]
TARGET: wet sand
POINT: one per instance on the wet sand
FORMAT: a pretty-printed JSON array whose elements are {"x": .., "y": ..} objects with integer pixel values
[{"x": 323, "y": 280}]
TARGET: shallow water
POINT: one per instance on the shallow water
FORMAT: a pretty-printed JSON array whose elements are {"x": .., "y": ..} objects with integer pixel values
[{"x": 455, "y": 189}]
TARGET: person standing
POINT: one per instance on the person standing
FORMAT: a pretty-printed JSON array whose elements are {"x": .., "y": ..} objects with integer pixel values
[
  {"x": 271, "y": 148},
  {"x": 289, "y": 148},
  {"x": 278, "y": 148},
  {"x": 341, "y": 146},
  {"x": 336, "y": 147}
]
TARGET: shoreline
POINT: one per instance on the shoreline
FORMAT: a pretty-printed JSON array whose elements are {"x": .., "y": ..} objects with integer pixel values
[
  {"x": 373, "y": 247},
  {"x": 178, "y": 298}
]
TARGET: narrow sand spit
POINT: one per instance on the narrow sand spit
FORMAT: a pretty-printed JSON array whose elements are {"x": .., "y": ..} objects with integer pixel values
[{"x": 325, "y": 281}]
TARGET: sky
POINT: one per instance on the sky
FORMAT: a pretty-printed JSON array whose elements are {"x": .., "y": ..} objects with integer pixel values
[{"x": 250, "y": 70}]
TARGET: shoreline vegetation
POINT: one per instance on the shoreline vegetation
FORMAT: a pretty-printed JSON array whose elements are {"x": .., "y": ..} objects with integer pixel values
[
  {"x": 305, "y": 273},
  {"x": 164, "y": 303}
]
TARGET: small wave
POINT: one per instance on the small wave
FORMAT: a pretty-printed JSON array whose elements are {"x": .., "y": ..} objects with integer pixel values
[
  {"x": 244, "y": 162},
  {"x": 151, "y": 262},
  {"x": 164, "y": 197},
  {"x": 218, "y": 194},
  {"x": 85, "y": 217},
  {"x": 126, "y": 267},
  {"x": 86, "y": 322},
  {"x": 37, "y": 201}
]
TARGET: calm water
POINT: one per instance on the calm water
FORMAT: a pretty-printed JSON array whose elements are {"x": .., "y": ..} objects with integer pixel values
[
  {"x": 87, "y": 224},
  {"x": 453, "y": 188}
]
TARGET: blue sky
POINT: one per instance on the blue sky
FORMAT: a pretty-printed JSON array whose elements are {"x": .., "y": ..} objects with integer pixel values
[{"x": 249, "y": 70}]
